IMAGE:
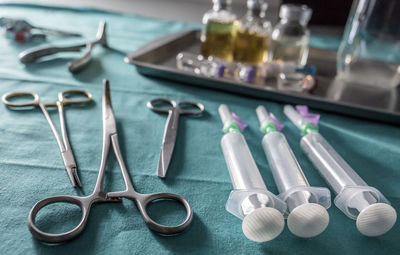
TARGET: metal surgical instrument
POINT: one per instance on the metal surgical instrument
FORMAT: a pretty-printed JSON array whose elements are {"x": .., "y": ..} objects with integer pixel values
[
  {"x": 372, "y": 211},
  {"x": 306, "y": 205},
  {"x": 31, "y": 55},
  {"x": 110, "y": 138},
  {"x": 22, "y": 29},
  {"x": 261, "y": 211},
  {"x": 63, "y": 100},
  {"x": 171, "y": 127}
]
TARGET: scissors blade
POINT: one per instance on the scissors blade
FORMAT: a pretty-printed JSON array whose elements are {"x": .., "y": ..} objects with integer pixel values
[
  {"x": 165, "y": 158},
  {"x": 168, "y": 144}
]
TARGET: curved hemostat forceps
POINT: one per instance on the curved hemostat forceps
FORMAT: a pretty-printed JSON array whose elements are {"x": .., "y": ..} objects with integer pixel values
[
  {"x": 65, "y": 148},
  {"x": 31, "y": 55},
  {"x": 171, "y": 127},
  {"x": 110, "y": 137}
]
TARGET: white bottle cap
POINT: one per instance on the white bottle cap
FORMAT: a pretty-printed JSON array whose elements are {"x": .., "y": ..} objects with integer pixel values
[{"x": 295, "y": 12}]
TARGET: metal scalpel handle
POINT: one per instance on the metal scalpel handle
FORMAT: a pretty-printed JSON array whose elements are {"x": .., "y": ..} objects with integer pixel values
[{"x": 31, "y": 55}]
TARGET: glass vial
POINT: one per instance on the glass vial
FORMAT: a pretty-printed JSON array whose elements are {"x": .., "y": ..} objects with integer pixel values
[
  {"x": 218, "y": 33},
  {"x": 290, "y": 36},
  {"x": 253, "y": 34},
  {"x": 199, "y": 65}
]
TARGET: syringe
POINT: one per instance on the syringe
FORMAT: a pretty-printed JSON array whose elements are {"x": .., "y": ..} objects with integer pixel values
[
  {"x": 372, "y": 211},
  {"x": 306, "y": 206},
  {"x": 260, "y": 210}
]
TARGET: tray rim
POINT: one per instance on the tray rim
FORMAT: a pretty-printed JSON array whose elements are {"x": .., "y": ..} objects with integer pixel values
[{"x": 272, "y": 94}]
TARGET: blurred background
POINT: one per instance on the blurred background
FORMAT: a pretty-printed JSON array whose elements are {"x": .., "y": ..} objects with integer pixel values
[{"x": 330, "y": 15}]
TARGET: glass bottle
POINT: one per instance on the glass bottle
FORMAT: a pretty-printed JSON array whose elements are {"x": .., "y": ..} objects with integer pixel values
[
  {"x": 370, "y": 50},
  {"x": 290, "y": 36},
  {"x": 253, "y": 34},
  {"x": 218, "y": 33}
]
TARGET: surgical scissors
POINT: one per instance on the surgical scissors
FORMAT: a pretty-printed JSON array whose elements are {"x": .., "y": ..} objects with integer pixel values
[
  {"x": 110, "y": 137},
  {"x": 64, "y": 145},
  {"x": 171, "y": 127}
]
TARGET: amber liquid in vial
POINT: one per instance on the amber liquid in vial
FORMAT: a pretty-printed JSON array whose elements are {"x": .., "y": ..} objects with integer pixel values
[
  {"x": 218, "y": 40},
  {"x": 290, "y": 50},
  {"x": 251, "y": 47}
]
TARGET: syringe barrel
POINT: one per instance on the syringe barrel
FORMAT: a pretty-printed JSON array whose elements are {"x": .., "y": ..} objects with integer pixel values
[
  {"x": 332, "y": 167},
  {"x": 284, "y": 166},
  {"x": 242, "y": 168}
]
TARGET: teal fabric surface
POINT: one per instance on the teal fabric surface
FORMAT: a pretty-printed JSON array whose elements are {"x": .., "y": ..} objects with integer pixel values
[{"x": 31, "y": 167}]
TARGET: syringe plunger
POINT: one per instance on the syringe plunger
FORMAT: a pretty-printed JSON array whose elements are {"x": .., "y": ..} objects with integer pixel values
[
  {"x": 355, "y": 198},
  {"x": 307, "y": 215},
  {"x": 260, "y": 210}
]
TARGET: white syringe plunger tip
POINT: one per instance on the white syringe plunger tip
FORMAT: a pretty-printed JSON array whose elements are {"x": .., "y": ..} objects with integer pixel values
[
  {"x": 263, "y": 224},
  {"x": 376, "y": 219},
  {"x": 308, "y": 220}
]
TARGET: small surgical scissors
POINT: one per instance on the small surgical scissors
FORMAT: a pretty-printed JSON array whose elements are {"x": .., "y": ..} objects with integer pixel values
[
  {"x": 65, "y": 148},
  {"x": 110, "y": 137},
  {"x": 171, "y": 127}
]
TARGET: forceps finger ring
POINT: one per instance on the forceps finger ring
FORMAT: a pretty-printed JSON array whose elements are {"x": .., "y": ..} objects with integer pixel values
[
  {"x": 63, "y": 97},
  {"x": 33, "y": 102}
]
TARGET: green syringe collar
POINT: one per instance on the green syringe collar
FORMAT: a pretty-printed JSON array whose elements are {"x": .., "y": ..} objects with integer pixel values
[
  {"x": 307, "y": 128},
  {"x": 231, "y": 126},
  {"x": 267, "y": 127}
]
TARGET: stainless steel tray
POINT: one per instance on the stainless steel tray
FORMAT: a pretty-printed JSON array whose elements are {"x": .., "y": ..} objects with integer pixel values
[{"x": 158, "y": 59}]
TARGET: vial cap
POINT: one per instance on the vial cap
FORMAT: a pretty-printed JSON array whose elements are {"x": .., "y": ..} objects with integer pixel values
[
  {"x": 263, "y": 224},
  {"x": 257, "y": 5},
  {"x": 222, "y": 2},
  {"x": 295, "y": 12}
]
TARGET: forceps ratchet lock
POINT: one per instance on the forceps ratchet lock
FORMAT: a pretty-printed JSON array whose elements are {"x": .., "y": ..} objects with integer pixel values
[
  {"x": 171, "y": 127},
  {"x": 63, "y": 100},
  {"x": 110, "y": 139}
]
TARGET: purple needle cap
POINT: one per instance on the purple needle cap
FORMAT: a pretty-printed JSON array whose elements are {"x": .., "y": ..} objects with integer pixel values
[
  {"x": 238, "y": 121},
  {"x": 221, "y": 71},
  {"x": 307, "y": 116},
  {"x": 279, "y": 125}
]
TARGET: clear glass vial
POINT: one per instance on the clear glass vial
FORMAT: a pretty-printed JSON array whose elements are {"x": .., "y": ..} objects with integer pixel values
[
  {"x": 369, "y": 54},
  {"x": 253, "y": 34},
  {"x": 218, "y": 33},
  {"x": 290, "y": 36}
]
